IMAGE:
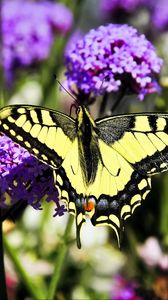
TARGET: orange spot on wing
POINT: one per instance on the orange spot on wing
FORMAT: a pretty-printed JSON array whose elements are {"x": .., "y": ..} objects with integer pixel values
[{"x": 89, "y": 205}]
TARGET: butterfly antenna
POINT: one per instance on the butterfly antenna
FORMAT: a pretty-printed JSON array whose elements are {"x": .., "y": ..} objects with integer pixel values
[
  {"x": 55, "y": 77},
  {"x": 106, "y": 78}
]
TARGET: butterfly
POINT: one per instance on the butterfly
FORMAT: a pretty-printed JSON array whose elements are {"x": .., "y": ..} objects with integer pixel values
[{"x": 102, "y": 167}]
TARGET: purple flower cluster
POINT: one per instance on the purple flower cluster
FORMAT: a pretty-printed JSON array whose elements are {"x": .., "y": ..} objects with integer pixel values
[
  {"x": 24, "y": 178},
  {"x": 110, "y": 58},
  {"x": 110, "y": 7},
  {"x": 124, "y": 289},
  {"x": 28, "y": 30}
]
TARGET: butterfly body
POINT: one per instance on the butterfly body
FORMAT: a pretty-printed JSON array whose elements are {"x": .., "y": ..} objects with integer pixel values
[
  {"x": 103, "y": 168},
  {"x": 88, "y": 145}
]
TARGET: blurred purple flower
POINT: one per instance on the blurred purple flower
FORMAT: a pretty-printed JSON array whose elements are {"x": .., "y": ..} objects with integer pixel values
[
  {"x": 110, "y": 7},
  {"x": 118, "y": 9},
  {"x": 160, "y": 15},
  {"x": 28, "y": 30},
  {"x": 110, "y": 58},
  {"x": 124, "y": 289},
  {"x": 24, "y": 178}
]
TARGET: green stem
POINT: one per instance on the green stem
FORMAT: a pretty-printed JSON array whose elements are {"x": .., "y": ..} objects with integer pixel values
[
  {"x": 164, "y": 211},
  {"x": 3, "y": 290},
  {"x": 103, "y": 105},
  {"x": 50, "y": 67},
  {"x": 33, "y": 290},
  {"x": 120, "y": 97},
  {"x": 60, "y": 261}
]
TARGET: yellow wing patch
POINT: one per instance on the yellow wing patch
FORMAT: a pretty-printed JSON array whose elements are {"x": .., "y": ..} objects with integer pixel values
[{"x": 73, "y": 169}]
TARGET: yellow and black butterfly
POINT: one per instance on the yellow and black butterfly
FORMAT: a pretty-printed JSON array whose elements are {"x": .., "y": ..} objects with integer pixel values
[{"x": 103, "y": 168}]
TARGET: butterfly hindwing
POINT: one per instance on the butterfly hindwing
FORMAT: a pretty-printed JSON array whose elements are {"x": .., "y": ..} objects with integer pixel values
[
  {"x": 71, "y": 186},
  {"x": 118, "y": 189}
]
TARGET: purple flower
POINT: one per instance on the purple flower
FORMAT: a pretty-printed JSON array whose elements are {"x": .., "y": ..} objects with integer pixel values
[
  {"x": 110, "y": 58},
  {"x": 113, "y": 6},
  {"x": 28, "y": 30},
  {"x": 59, "y": 17},
  {"x": 24, "y": 178},
  {"x": 124, "y": 289},
  {"x": 160, "y": 15}
]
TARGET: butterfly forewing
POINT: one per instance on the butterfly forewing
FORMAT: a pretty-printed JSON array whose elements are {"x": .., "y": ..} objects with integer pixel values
[
  {"x": 46, "y": 134},
  {"x": 142, "y": 139}
]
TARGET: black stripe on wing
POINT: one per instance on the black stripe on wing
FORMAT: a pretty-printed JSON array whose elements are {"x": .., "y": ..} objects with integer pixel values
[{"x": 154, "y": 164}]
